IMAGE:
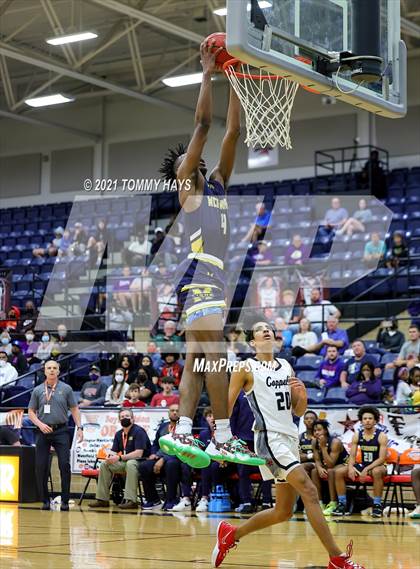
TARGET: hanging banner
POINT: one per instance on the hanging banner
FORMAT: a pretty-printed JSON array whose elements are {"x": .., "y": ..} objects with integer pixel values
[
  {"x": 403, "y": 430},
  {"x": 99, "y": 428}
]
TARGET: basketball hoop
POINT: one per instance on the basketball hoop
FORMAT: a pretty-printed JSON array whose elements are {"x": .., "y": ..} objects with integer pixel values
[{"x": 267, "y": 100}]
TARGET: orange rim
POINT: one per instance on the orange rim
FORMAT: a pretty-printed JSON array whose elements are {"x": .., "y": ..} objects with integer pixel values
[{"x": 234, "y": 62}]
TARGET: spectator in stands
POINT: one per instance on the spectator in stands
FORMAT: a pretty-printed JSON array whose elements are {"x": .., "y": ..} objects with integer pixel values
[
  {"x": 66, "y": 242},
  {"x": 389, "y": 337},
  {"x": 333, "y": 336},
  {"x": 171, "y": 367},
  {"x": 121, "y": 317},
  {"x": 354, "y": 364},
  {"x": 170, "y": 468},
  {"x": 296, "y": 252},
  {"x": 356, "y": 223},
  {"x": 8, "y": 436},
  {"x": 79, "y": 240},
  {"x": 6, "y": 342},
  {"x": 289, "y": 311},
  {"x": 397, "y": 256},
  {"x": 241, "y": 422},
  {"x": 410, "y": 350},
  {"x": 93, "y": 392},
  {"x": 147, "y": 388},
  {"x": 374, "y": 249},
  {"x": 259, "y": 255},
  {"x": 117, "y": 391},
  {"x": 305, "y": 441},
  {"x": 268, "y": 292},
  {"x": 141, "y": 289},
  {"x": 7, "y": 372},
  {"x": 415, "y": 483},
  {"x": 373, "y": 176},
  {"x": 305, "y": 338},
  {"x": 372, "y": 442},
  {"x": 258, "y": 228},
  {"x": 330, "y": 369},
  {"x": 29, "y": 346},
  {"x": 319, "y": 310},
  {"x": 17, "y": 359},
  {"x": 28, "y": 316},
  {"x": 169, "y": 334},
  {"x": 157, "y": 241},
  {"x": 12, "y": 321},
  {"x": 51, "y": 250},
  {"x": 280, "y": 350},
  {"x": 147, "y": 365},
  {"x": 212, "y": 474},
  {"x": 154, "y": 353},
  {"x": 334, "y": 218},
  {"x": 367, "y": 388},
  {"x": 329, "y": 453},
  {"x": 97, "y": 242},
  {"x": 233, "y": 344},
  {"x": 61, "y": 342},
  {"x": 121, "y": 289},
  {"x": 133, "y": 397},
  {"x": 402, "y": 389},
  {"x": 128, "y": 364},
  {"x": 138, "y": 250},
  {"x": 45, "y": 347},
  {"x": 166, "y": 398},
  {"x": 287, "y": 335},
  {"x": 130, "y": 444}
]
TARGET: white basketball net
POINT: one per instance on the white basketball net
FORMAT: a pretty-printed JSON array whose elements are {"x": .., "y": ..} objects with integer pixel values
[{"x": 267, "y": 100}]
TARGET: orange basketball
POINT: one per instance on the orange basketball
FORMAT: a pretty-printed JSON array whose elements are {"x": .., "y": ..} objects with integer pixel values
[{"x": 219, "y": 40}]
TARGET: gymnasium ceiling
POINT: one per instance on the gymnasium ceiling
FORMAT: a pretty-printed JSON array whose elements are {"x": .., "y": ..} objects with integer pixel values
[{"x": 139, "y": 42}]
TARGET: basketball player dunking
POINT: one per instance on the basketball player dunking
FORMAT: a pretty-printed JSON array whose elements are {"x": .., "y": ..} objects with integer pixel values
[
  {"x": 274, "y": 394},
  {"x": 201, "y": 277}
]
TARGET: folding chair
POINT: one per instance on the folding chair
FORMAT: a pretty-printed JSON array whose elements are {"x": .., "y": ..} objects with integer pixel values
[
  {"x": 409, "y": 457},
  {"x": 92, "y": 473}
]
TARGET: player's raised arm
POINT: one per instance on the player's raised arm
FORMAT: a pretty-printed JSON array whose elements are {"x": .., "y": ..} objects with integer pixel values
[
  {"x": 298, "y": 396},
  {"x": 239, "y": 380},
  {"x": 224, "y": 168},
  {"x": 189, "y": 166}
]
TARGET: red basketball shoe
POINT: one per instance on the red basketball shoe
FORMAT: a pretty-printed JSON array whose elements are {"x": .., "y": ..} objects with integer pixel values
[
  {"x": 225, "y": 541},
  {"x": 343, "y": 562}
]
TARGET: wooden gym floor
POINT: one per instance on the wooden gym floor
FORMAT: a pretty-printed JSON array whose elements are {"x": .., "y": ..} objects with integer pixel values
[{"x": 107, "y": 539}]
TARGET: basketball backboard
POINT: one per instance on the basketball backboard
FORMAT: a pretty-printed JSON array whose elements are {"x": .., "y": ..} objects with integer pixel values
[{"x": 333, "y": 47}]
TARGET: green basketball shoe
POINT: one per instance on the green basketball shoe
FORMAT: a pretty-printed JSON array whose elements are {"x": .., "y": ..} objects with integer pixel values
[
  {"x": 234, "y": 450},
  {"x": 186, "y": 448}
]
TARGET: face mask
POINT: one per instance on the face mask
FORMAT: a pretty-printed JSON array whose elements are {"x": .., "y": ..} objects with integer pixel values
[
  {"x": 126, "y": 422},
  {"x": 131, "y": 350},
  {"x": 45, "y": 339},
  {"x": 29, "y": 337},
  {"x": 119, "y": 378},
  {"x": 4, "y": 341},
  {"x": 62, "y": 333},
  {"x": 94, "y": 376},
  {"x": 2, "y": 363},
  {"x": 142, "y": 378}
]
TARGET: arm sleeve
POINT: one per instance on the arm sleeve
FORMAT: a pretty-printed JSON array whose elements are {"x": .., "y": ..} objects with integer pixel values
[
  {"x": 71, "y": 399},
  {"x": 141, "y": 440},
  {"x": 115, "y": 445},
  {"x": 34, "y": 402}
]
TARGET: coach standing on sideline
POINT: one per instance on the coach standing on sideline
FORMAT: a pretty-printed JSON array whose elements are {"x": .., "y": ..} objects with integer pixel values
[{"x": 48, "y": 410}]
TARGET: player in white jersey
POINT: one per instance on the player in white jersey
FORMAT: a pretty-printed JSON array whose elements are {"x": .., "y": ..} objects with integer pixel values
[{"x": 274, "y": 395}]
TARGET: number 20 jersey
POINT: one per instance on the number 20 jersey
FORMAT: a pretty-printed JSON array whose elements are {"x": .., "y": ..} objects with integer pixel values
[{"x": 270, "y": 397}]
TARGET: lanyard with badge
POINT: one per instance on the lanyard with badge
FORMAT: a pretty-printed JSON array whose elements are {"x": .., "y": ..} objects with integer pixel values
[
  {"x": 48, "y": 395},
  {"x": 124, "y": 441}
]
